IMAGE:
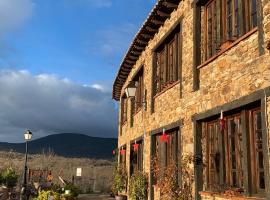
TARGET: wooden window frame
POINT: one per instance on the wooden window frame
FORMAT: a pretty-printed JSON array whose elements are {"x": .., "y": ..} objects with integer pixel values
[
  {"x": 166, "y": 152},
  {"x": 244, "y": 152},
  {"x": 124, "y": 106},
  {"x": 138, "y": 100},
  {"x": 243, "y": 19},
  {"x": 167, "y": 68},
  {"x": 136, "y": 157}
]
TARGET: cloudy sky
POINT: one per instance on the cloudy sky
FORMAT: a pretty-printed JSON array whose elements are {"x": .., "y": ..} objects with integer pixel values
[{"x": 58, "y": 59}]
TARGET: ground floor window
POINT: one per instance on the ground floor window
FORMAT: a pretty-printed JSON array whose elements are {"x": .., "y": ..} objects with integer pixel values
[
  {"x": 233, "y": 152},
  {"x": 166, "y": 150},
  {"x": 136, "y": 156}
]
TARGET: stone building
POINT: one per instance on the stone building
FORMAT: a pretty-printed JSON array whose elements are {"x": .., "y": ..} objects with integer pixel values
[{"x": 201, "y": 69}]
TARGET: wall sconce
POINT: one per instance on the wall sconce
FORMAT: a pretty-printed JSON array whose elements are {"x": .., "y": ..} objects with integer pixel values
[
  {"x": 131, "y": 92},
  {"x": 131, "y": 89}
]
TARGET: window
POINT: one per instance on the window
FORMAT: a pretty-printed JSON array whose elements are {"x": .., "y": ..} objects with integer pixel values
[
  {"x": 136, "y": 157},
  {"x": 122, "y": 156},
  {"x": 167, "y": 66},
  {"x": 137, "y": 102},
  {"x": 226, "y": 152},
  {"x": 166, "y": 152},
  {"x": 226, "y": 21},
  {"x": 256, "y": 144},
  {"x": 124, "y": 101}
]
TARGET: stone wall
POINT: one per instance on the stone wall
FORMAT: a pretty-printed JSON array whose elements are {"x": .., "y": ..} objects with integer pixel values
[{"x": 238, "y": 72}]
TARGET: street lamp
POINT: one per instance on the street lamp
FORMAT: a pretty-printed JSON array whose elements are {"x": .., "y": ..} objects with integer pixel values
[{"x": 27, "y": 136}]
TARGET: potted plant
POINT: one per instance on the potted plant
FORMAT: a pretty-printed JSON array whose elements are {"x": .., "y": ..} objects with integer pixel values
[
  {"x": 119, "y": 182},
  {"x": 138, "y": 186}
]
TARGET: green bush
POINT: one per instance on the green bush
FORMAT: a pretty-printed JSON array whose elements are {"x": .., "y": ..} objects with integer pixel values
[
  {"x": 74, "y": 190},
  {"x": 138, "y": 186},
  {"x": 9, "y": 177},
  {"x": 119, "y": 180},
  {"x": 43, "y": 195}
]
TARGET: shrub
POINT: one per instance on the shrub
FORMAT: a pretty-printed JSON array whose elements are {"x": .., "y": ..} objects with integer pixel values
[
  {"x": 43, "y": 195},
  {"x": 119, "y": 179},
  {"x": 10, "y": 177},
  {"x": 138, "y": 186},
  {"x": 74, "y": 190}
]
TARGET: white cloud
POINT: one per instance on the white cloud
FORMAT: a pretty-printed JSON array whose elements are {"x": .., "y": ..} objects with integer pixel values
[
  {"x": 13, "y": 14},
  {"x": 46, "y": 105}
]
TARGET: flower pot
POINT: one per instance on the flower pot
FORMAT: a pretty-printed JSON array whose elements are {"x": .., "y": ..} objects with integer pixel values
[{"x": 120, "y": 197}]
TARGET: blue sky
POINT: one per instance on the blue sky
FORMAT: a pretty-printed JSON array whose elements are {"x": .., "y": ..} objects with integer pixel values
[
  {"x": 83, "y": 40},
  {"x": 58, "y": 59}
]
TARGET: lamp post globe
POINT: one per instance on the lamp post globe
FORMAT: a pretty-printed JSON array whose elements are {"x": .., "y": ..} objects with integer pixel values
[{"x": 25, "y": 193}]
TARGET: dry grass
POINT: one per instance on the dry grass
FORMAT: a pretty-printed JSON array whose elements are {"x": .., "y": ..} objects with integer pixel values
[{"x": 96, "y": 174}]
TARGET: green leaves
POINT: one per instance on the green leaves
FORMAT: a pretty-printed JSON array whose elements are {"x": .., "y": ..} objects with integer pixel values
[
  {"x": 119, "y": 179},
  {"x": 9, "y": 177},
  {"x": 138, "y": 186}
]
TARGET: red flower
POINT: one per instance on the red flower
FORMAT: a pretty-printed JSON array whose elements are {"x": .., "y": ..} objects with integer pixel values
[{"x": 113, "y": 152}]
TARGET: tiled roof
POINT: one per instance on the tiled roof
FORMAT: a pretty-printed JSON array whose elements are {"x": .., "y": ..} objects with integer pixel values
[{"x": 161, "y": 11}]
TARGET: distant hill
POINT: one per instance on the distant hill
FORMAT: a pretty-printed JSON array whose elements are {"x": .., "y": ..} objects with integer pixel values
[{"x": 67, "y": 145}]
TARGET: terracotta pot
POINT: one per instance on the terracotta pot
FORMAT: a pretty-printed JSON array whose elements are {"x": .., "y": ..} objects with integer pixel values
[{"x": 120, "y": 197}]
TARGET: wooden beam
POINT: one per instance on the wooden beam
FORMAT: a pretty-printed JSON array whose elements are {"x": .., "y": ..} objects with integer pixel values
[
  {"x": 170, "y": 5},
  {"x": 157, "y": 22},
  {"x": 151, "y": 29},
  {"x": 127, "y": 66},
  {"x": 163, "y": 14},
  {"x": 133, "y": 57},
  {"x": 146, "y": 36},
  {"x": 142, "y": 42},
  {"x": 139, "y": 47},
  {"x": 129, "y": 61},
  {"x": 137, "y": 53}
]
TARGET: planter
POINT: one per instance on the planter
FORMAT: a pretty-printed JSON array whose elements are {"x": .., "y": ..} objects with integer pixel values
[{"x": 120, "y": 197}]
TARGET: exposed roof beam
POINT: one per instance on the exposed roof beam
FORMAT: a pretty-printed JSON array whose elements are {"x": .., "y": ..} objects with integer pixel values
[
  {"x": 170, "y": 5},
  {"x": 157, "y": 22},
  {"x": 130, "y": 61},
  {"x": 127, "y": 66},
  {"x": 133, "y": 57},
  {"x": 151, "y": 29},
  {"x": 136, "y": 53},
  {"x": 163, "y": 14},
  {"x": 139, "y": 47},
  {"x": 142, "y": 41},
  {"x": 146, "y": 36}
]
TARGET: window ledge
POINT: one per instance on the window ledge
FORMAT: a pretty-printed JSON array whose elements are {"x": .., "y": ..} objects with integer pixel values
[
  {"x": 167, "y": 88},
  {"x": 228, "y": 47},
  {"x": 224, "y": 196}
]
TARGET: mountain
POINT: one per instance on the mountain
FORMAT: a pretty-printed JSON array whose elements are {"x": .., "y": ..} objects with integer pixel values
[{"x": 67, "y": 145}]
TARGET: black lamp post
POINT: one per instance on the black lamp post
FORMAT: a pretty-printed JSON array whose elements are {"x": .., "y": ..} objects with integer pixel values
[{"x": 27, "y": 136}]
